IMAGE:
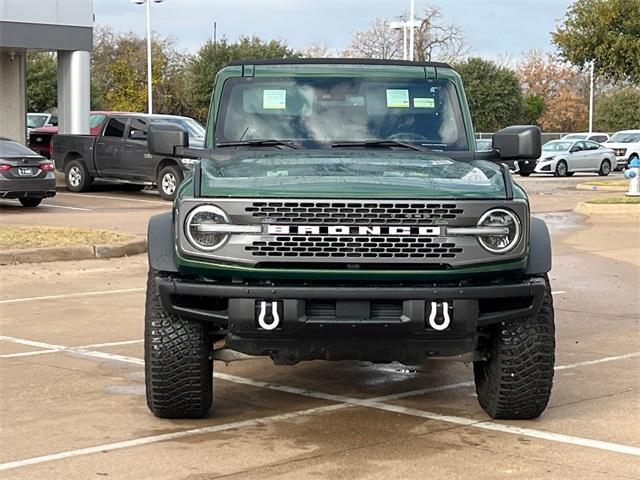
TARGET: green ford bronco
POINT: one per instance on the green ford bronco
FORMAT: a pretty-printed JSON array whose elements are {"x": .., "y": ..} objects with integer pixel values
[{"x": 340, "y": 211}]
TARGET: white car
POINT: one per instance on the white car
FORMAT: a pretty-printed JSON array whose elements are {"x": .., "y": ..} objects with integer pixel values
[
  {"x": 626, "y": 145},
  {"x": 565, "y": 157},
  {"x": 593, "y": 136}
]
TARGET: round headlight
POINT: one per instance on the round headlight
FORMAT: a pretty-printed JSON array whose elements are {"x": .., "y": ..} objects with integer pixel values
[
  {"x": 500, "y": 218},
  {"x": 196, "y": 227}
]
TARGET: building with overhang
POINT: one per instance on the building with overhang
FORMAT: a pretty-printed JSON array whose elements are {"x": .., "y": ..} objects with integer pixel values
[{"x": 62, "y": 26}]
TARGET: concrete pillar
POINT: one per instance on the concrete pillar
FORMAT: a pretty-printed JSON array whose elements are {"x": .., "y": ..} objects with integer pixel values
[
  {"x": 73, "y": 91},
  {"x": 13, "y": 96}
]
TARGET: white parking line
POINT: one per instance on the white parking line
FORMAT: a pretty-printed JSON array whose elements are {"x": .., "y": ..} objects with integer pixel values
[
  {"x": 82, "y": 347},
  {"x": 65, "y": 207},
  {"x": 558, "y": 292},
  {"x": 70, "y": 295},
  {"x": 120, "y": 199},
  {"x": 343, "y": 402},
  {"x": 599, "y": 360},
  {"x": 169, "y": 436}
]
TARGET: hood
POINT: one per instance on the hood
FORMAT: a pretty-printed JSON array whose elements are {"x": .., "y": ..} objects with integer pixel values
[
  {"x": 348, "y": 174},
  {"x": 619, "y": 144}
]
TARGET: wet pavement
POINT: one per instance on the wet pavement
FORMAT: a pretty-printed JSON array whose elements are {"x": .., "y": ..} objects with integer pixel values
[{"x": 73, "y": 404}]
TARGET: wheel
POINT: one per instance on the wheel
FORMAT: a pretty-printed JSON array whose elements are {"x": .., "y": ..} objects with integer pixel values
[
  {"x": 168, "y": 180},
  {"x": 525, "y": 174},
  {"x": 77, "y": 176},
  {"x": 30, "y": 202},
  {"x": 515, "y": 382},
  {"x": 178, "y": 366},
  {"x": 605, "y": 168},
  {"x": 561, "y": 169}
]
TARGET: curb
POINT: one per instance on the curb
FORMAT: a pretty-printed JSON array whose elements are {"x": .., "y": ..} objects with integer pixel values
[
  {"x": 602, "y": 188},
  {"x": 627, "y": 211},
  {"x": 80, "y": 252}
]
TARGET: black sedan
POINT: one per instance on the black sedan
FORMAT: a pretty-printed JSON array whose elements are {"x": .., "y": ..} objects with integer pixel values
[{"x": 24, "y": 174}]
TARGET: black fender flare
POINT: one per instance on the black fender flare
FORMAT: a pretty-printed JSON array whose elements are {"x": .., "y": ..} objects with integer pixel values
[
  {"x": 539, "y": 260},
  {"x": 160, "y": 244}
]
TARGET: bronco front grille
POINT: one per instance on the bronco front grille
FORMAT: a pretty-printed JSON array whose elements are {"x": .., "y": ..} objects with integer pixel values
[
  {"x": 354, "y": 247},
  {"x": 319, "y": 212}
]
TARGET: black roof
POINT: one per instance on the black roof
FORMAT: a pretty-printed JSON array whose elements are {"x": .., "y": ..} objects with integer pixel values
[{"x": 335, "y": 61}]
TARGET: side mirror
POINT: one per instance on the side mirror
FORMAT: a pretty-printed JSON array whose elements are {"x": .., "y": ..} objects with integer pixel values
[
  {"x": 518, "y": 142},
  {"x": 137, "y": 135},
  {"x": 165, "y": 137},
  {"x": 575, "y": 149}
]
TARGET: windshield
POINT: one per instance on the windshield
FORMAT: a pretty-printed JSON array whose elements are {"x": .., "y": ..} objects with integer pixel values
[
  {"x": 317, "y": 112},
  {"x": 622, "y": 137},
  {"x": 36, "y": 120},
  {"x": 556, "y": 146},
  {"x": 9, "y": 148},
  {"x": 189, "y": 124},
  {"x": 575, "y": 136},
  {"x": 351, "y": 173}
]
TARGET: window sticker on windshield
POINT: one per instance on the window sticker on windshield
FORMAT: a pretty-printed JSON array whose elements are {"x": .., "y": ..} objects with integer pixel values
[
  {"x": 274, "y": 99},
  {"x": 424, "y": 102},
  {"x": 397, "y": 98}
]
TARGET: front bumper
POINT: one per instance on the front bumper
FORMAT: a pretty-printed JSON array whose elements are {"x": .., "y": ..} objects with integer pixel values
[{"x": 379, "y": 323}]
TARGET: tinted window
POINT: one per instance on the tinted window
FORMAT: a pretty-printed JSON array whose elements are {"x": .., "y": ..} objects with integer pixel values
[
  {"x": 599, "y": 138},
  {"x": 592, "y": 145},
  {"x": 580, "y": 146},
  {"x": 10, "y": 148},
  {"x": 115, "y": 128},
  {"x": 54, "y": 120},
  {"x": 319, "y": 111},
  {"x": 138, "y": 124}
]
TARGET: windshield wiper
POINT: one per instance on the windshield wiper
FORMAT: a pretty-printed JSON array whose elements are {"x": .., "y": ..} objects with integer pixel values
[
  {"x": 258, "y": 143},
  {"x": 379, "y": 144}
]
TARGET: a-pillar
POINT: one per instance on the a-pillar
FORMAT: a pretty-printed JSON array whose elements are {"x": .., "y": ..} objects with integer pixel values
[{"x": 74, "y": 91}]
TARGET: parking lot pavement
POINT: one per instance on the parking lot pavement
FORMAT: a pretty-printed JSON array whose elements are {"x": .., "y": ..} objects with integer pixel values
[{"x": 73, "y": 402}]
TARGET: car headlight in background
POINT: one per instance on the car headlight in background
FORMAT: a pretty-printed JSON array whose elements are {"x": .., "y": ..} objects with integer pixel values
[
  {"x": 546, "y": 159},
  {"x": 189, "y": 161},
  {"x": 199, "y": 231},
  {"x": 499, "y": 217}
]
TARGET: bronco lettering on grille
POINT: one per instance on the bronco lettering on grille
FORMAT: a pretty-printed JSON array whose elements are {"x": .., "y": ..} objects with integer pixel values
[{"x": 352, "y": 230}]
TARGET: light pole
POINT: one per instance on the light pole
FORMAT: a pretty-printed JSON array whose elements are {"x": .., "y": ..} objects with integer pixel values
[
  {"x": 403, "y": 26},
  {"x": 591, "y": 99},
  {"x": 149, "y": 69},
  {"x": 411, "y": 27}
]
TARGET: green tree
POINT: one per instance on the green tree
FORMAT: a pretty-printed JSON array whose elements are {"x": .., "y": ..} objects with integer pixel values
[
  {"x": 210, "y": 58},
  {"x": 119, "y": 74},
  {"x": 618, "y": 110},
  {"x": 493, "y": 93},
  {"x": 606, "y": 32},
  {"x": 42, "y": 82},
  {"x": 532, "y": 107}
]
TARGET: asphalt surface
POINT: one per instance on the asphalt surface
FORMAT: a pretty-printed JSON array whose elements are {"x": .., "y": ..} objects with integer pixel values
[{"x": 73, "y": 404}]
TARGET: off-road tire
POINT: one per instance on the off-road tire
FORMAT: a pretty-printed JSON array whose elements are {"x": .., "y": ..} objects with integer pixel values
[
  {"x": 560, "y": 171},
  {"x": 171, "y": 171},
  {"x": 178, "y": 365},
  {"x": 82, "y": 182},
  {"x": 515, "y": 382},
  {"x": 30, "y": 202},
  {"x": 605, "y": 168}
]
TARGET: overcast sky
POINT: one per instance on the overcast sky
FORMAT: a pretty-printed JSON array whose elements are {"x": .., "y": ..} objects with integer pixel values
[{"x": 492, "y": 28}]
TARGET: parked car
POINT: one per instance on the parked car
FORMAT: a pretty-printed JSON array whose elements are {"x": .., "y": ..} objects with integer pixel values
[
  {"x": 24, "y": 174},
  {"x": 626, "y": 145},
  {"x": 119, "y": 154},
  {"x": 483, "y": 144},
  {"x": 565, "y": 157},
  {"x": 593, "y": 136},
  {"x": 37, "y": 120},
  {"x": 40, "y": 139}
]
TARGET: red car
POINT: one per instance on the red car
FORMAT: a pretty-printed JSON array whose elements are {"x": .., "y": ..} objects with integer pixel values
[{"x": 40, "y": 138}]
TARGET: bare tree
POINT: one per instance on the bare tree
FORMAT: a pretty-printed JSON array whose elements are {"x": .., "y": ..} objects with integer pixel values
[
  {"x": 379, "y": 41},
  {"x": 434, "y": 39},
  {"x": 319, "y": 50}
]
